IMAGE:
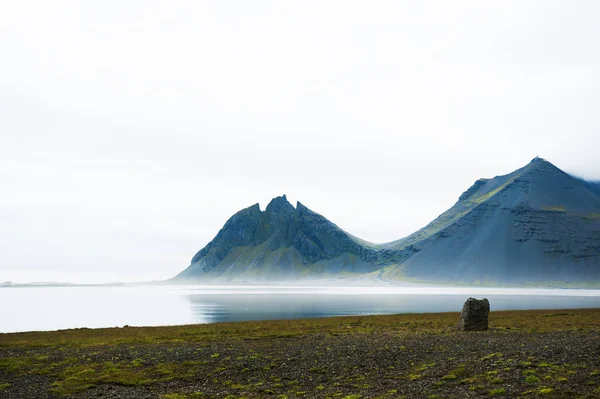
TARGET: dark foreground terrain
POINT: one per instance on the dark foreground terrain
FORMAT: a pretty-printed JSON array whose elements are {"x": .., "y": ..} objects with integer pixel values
[{"x": 528, "y": 354}]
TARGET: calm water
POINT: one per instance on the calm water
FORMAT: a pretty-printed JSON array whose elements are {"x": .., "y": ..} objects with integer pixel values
[{"x": 52, "y": 308}]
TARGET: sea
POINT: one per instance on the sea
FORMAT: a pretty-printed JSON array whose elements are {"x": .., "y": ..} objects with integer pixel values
[{"x": 53, "y": 308}]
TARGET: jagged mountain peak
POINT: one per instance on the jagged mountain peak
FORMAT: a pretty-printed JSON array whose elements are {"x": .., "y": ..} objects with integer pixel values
[
  {"x": 301, "y": 208},
  {"x": 279, "y": 204},
  {"x": 285, "y": 240}
]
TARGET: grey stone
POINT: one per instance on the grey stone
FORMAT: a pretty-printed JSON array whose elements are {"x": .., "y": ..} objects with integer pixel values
[{"x": 474, "y": 315}]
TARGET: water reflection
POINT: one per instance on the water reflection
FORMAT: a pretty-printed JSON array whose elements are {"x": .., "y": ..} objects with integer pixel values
[
  {"x": 51, "y": 308},
  {"x": 210, "y": 306}
]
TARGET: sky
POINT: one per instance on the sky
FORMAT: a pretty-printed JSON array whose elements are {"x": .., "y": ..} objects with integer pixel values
[{"x": 131, "y": 131}]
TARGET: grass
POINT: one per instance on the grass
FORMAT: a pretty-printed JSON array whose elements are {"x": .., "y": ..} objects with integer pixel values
[
  {"x": 497, "y": 391},
  {"x": 67, "y": 357},
  {"x": 74, "y": 376}
]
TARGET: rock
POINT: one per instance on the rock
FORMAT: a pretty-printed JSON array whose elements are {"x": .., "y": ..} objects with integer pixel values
[{"x": 474, "y": 315}]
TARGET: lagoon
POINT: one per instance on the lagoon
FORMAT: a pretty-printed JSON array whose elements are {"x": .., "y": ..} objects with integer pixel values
[{"x": 53, "y": 308}]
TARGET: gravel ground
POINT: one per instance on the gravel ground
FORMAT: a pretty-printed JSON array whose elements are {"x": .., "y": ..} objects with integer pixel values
[{"x": 497, "y": 363}]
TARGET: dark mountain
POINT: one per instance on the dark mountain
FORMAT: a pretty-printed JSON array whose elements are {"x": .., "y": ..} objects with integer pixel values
[
  {"x": 593, "y": 186},
  {"x": 536, "y": 225},
  {"x": 284, "y": 243}
]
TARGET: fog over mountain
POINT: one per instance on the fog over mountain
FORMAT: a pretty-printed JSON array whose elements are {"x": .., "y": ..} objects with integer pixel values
[{"x": 536, "y": 225}]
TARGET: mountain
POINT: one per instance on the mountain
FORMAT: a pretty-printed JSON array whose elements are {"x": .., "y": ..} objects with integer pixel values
[
  {"x": 536, "y": 225},
  {"x": 284, "y": 243}
]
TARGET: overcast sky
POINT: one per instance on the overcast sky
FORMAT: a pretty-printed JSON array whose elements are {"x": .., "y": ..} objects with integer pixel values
[{"x": 132, "y": 130}]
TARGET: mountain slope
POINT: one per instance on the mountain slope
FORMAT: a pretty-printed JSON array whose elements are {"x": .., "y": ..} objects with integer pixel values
[
  {"x": 537, "y": 224},
  {"x": 283, "y": 243}
]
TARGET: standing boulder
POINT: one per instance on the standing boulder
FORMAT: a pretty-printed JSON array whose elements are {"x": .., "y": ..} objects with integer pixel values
[{"x": 474, "y": 315}]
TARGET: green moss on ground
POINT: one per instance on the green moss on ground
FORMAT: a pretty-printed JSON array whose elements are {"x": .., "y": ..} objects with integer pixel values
[{"x": 343, "y": 357}]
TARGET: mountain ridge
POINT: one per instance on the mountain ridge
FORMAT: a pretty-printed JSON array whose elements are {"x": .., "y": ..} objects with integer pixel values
[
  {"x": 535, "y": 224},
  {"x": 301, "y": 242}
]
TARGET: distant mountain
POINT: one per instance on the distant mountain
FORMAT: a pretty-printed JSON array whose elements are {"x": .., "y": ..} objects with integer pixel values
[
  {"x": 284, "y": 243},
  {"x": 9, "y": 284},
  {"x": 536, "y": 225}
]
